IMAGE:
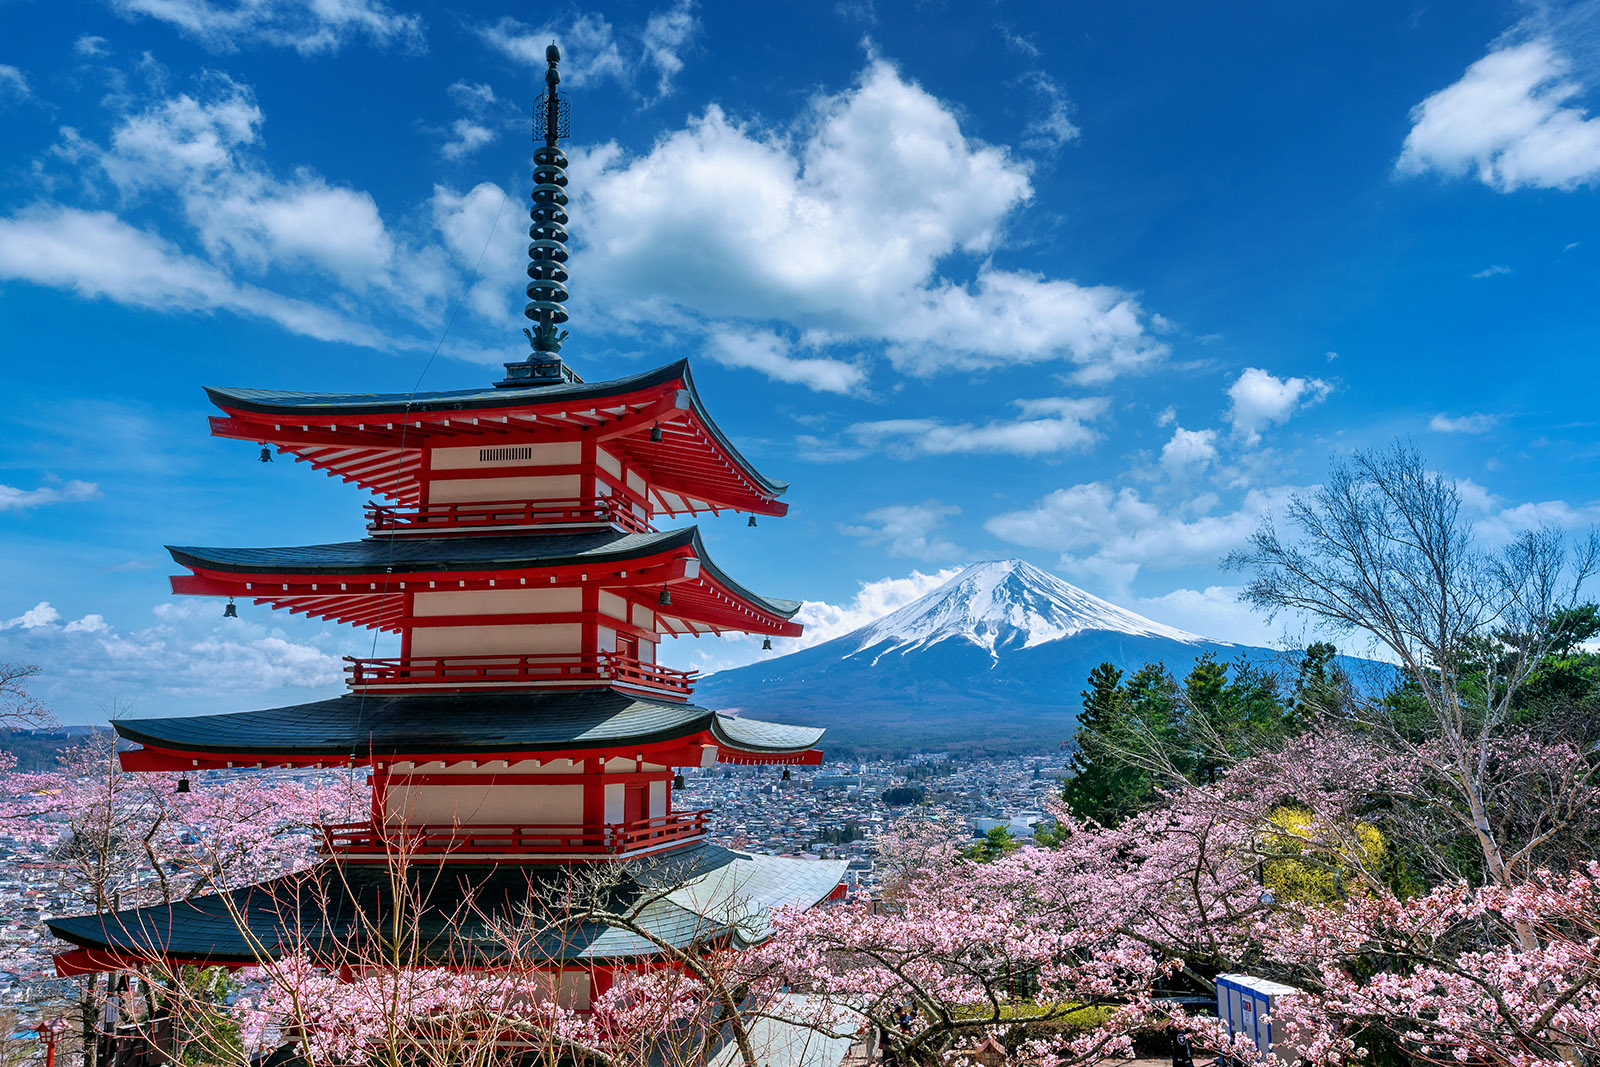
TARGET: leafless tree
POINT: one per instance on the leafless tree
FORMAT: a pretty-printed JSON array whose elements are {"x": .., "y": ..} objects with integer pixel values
[
  {"x": 1384, "y": 550},
  {"x": 20, "y": 709}
]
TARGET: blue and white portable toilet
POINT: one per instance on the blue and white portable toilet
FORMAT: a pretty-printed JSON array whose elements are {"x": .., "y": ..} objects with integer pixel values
[{"x": 1246, "y": 1005}]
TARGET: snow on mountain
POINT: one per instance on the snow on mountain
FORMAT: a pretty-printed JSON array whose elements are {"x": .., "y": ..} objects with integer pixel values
[
  {"x": 1000, "y": 605},
  {"x": 991, "y": 661}
]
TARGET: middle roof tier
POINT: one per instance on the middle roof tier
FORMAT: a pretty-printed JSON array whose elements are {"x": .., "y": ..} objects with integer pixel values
[{"x": 645, "y": 584}]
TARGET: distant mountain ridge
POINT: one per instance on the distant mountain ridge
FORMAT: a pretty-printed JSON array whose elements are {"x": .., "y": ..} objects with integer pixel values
[{"x": 991, "y": 661}]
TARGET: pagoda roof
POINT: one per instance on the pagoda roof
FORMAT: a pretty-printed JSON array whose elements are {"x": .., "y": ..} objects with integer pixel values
[
  {"x": 608, "y": 557},
  {"x": 518, "y": 725},
  {"x": 375, "y": 439},
  {"x": 711, "y": 893}
]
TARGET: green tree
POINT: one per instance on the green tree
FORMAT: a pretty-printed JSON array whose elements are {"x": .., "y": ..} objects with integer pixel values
[
  {"x": 996, "y": 843},
  {"x": 1125, "y": 738}
]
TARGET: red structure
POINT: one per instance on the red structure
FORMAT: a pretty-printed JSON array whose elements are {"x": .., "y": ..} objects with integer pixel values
[{"x": 526, "y": 724}]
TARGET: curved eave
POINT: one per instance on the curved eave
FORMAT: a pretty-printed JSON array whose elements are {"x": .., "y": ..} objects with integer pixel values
[
  {"x": 365, "y": 582},
  {"x": 360, "y": 731},
  {"x": 689, "y": 896},
  {"x": 354, "y": 437}
]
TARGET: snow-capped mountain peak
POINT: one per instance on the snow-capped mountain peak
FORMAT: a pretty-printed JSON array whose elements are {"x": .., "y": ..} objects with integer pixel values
[{"x": 1004, "y": 604}]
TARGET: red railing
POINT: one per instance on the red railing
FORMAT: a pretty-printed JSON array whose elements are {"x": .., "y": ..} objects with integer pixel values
[
  {"x": 532, "y": 669},
  {"x": 611, "y": 839},
  {"x": 391, "y": 518}
]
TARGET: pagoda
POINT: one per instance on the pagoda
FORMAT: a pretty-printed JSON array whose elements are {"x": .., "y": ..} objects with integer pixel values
[{"x": 526, "y": 725}]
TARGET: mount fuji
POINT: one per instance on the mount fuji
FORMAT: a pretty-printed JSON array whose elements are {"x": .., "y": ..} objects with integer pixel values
[{"x": 992, "y": 661}]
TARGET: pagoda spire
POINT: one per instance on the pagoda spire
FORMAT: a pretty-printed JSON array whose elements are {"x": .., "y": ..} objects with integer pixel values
[{"x": 547, "y": 240}]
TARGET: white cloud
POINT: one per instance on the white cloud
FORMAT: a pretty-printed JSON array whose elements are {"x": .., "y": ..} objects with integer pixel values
[
  {"x": 239, "y": 210},
  {"x": 822, "y": 621},
  {"x": 96, "y": 254},
  {"x": 593, "y": 50},
  {"x": 91, "y": 45},
  {"x": 310, "y": 27},
  {"x": 1474, "y": 423},
  {"x": 40, "y": 615},
  {"x": 472, "y": 131},
  {"x": 842, "y": 228},
  {"x": 188, "y": 648},
  {"x": 765, "y": 351},
  {"x": 873, "y": 600},
  {"x": 1052, "y": 126},
  {"x": 1111, "y": 534},
  {"x": 13, "y": 83},
  {"x": 1261, "y": 400},
  {"x": 909, "y": 530},
  {"x": 1048, "y": 425},
  {"x": 666, "y": 35},
  {"x": 1497, "y": 521},
  {"x": 14, "y": 499},
  {"x": 1509, "y": 123},
  {"x": 1188, "y": 449},
  {"x": 1215, "y": 612},
  {"x": 1491, "y": 272},
  {"x": 482, "y": 229}
]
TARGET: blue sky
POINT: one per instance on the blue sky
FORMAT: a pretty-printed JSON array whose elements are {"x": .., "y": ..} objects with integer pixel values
[{"x": 1093, "y": 285}]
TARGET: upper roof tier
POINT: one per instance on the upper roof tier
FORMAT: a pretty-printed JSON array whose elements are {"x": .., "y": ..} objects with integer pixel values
[
  {"x": 380, "y": 440},
  {"x": 366, "y": 582}
]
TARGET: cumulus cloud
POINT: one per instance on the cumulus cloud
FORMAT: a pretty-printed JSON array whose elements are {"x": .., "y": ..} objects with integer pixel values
[
  {"x": 1110, "y": 534},
  {"x": 593, "y": 50},
  {"x": 37, "y": 617},
  {"x": 91, "y": 45},
  {"x": 199, "y": 155},
  {"x": 878, "y": 185},
  {"x": 1048, "y": 425},
  {"x": 1188, "y": 450},
  {"x": 239, "y": 210},
  {"x": 770, "y": 354},
  {"x": 1508, "y": 122},
  {"x": 14, "y": 499},
  {"x": 96, "y": 254},
  {"x": 910, "y": 530},
  {"x": 185, "y": 649},
  {"x": 823, "y": 621},
  {"x": 309, "y": 27},
  {"x": 1498, "y": 521},
  {"x": 1473, "y": 423},
  {"x": 1260, "y": 400},
  {"x": 1051, "y": 126}
]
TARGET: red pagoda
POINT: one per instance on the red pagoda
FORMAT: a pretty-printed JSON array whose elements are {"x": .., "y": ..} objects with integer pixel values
[{"x": 526, "y": 724}]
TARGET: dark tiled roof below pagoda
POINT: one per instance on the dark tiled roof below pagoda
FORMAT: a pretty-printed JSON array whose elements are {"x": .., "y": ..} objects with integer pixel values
[
  {"x": 433, "y": 554},
  {"x": 393, "y": 725},
  {"x": 714, "y": 891}
]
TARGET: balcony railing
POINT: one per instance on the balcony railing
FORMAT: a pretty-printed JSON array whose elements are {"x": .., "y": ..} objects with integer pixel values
[
  {"x": 441, "y": 518},
  {"x": 467, "y": 842},
  {"x": 532, "y": 670}
]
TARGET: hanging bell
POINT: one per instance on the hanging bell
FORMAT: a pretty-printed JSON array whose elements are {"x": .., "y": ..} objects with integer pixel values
[
  {"x": 786, "y": 774},
  {"x": 655, "y": 434},
  {"x": 229, "y": 611},
  {"x": 183, "y": 785},
  {"x": 665, "y": 598},
  {"x": 678, "y": 781},
  {"x": 266, "y": 454},
  {"x": 766, "y": 644},
  {"x": 752, "y": 521}
]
